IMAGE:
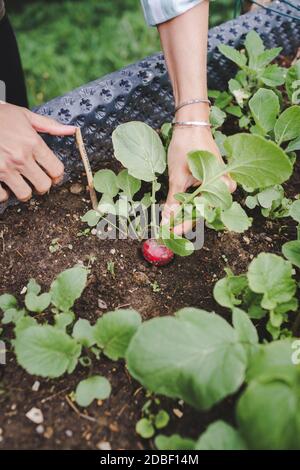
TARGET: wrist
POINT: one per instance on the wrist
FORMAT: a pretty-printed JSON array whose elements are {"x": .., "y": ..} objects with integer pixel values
[{"x": 194, "y": 112}]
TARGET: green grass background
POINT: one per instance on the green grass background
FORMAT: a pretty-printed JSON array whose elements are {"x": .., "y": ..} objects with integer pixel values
[{"x": 67, "y": 43}]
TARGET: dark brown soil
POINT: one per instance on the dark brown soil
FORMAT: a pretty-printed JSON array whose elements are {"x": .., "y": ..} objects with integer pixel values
[{"x": 26, "y": 233}]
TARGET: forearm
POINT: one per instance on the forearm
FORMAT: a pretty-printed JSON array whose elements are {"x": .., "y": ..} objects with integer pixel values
[{"x": 184, "y": 42}]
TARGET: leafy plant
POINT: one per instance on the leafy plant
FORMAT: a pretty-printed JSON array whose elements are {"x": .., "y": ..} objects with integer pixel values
[
  {"x": 268, "y": 288},
  {"x": 266, "y": 407},
  {"x": 51, "y": 350},
  {"x": 194, "y": 347},
  {"x": 93, "y": 388}
]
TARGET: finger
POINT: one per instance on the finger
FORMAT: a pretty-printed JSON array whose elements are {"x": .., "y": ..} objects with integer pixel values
[
  {"x": 3, "y": 194},
  {"x": 46, "y": 158},
  {"x": 18, "y": 186},
  {"x": 171, "y": 205},
  {"x": 36, "y": 176},
  {"x": 49, "y": 126}
]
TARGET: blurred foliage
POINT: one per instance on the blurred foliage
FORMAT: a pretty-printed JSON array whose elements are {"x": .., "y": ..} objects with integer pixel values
[{"x": 67, "y": 43}]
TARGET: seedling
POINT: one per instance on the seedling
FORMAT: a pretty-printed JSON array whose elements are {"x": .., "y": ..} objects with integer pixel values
[
  {"x": 111, "y": 268},
  {"x": 54, "y": 245},
  {"x": 155, "y": 286}
]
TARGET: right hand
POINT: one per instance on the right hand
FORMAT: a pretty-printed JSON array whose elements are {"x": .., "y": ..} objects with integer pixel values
[
  {"x": 23, "y": 153},
  {"x": 185, "y": 140}
]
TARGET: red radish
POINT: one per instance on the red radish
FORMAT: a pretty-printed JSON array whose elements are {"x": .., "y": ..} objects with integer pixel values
[{"x": 156, "y": 253}]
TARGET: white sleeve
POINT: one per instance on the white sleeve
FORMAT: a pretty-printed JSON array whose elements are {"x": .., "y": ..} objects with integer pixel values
[{"x": 159, "y": 11}]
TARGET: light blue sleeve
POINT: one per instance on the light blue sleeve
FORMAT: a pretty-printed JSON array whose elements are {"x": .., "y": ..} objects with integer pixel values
[{"x": 159, "y": 11}]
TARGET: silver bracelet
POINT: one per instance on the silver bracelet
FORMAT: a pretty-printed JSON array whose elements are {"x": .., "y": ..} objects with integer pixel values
[
  {"x": 195, "y": 101},
  {"x": 191, "y": 123}
]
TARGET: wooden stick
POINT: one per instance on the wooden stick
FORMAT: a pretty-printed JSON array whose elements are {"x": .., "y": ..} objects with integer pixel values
[{"x": 87, "y": 167}]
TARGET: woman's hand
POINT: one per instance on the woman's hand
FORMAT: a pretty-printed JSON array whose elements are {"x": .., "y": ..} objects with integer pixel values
[
  {"x": 23, "y": 153},
  {"x": 185, "y": 140}
]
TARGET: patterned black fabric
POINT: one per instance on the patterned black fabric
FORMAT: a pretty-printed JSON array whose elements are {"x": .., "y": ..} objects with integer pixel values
[{"x": 142, "y": 91}]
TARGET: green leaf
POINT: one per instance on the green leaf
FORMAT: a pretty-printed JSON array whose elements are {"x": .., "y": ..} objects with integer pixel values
[
  {"x": 291, "y": 250},
  {"x": 273, "y": 76},
  {"x": 62, "y": 320},
  {"x": 105, "y": 182},
  {"x": 268, "y": 414},
  {"x": 227, "y": 290},
  {"x": 232, "y": 54},
  {"x": 145, "y": 428},
  {"x": 46, "y": 351},
  {"x": 12, "y": 315},
  {"x": 251, "y": 202},
  {"x": 123, "y": 206},
  {"x": 271, "y": 275},
  {"x": 273, "y": 360},
  {"x": 266, "y": 57},
  {"x": 91, "y": 217},
  {"x": 287, "y": 125},
  {"x": 161, "y": 419},
  {"x": 174, "y": 442},
  {"x": 246, "y": 331},
  {"x": 235, "y": 218},
  {"x": 244, "y": 327},
  {"x": 146, "y": 200},
  {"x": 220, "y": 139},
  {"x": 234, "y": 111},
  {"x": 293, "y": 74},
  {"x": 139, "y": 149},
  {"x": 83, "y": 332},
  {"x": 114, "y": 330},
  {"x": 254, "y": 47},
  {"x": 217, "y": 116},
  {"x": 37, "y": 303},
  {"x": 220, "y": 436},
  {"x": 269, "y": 195},
  {"x": 207, "y": 168},
  {"x": 7, "y": 301},
  {"x": 106, "y": 205},
  {"x": 167, "y": 355},
  {"x": 129, "y": 185},
  {"x": 67, "y": 287},
  {"x": 93, "y": 388},
  {"x": 294, "y": 145},
  {"x": 179, "y": 245},
  {"x": 23, "y": 322},
  {"x": 264, "y": 106},
  {"x": 256, "y": 162},
  {"x": 33, "y": 287},
  {"x": 294, "y": 211}
]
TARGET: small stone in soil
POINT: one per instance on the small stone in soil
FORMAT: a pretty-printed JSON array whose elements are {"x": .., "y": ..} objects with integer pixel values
[
  {"x": 40, "y": 429},
  {"x": 69, "y": 433},
  {"x": 141, "y": 278},
  {"x": 76, "y": 188},
  {"x": 35, "y": 415},
  {"x": 102, "y": 304},
  {"x": 177, "y": 413},
  {"x": 35, "y": 387},
  {"x": 48, "y": 433},
  {"x": 103, "y": 445}
]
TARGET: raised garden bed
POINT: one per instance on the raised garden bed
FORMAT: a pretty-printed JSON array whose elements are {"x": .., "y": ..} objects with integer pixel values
[{"x": 46, "y": 236}]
